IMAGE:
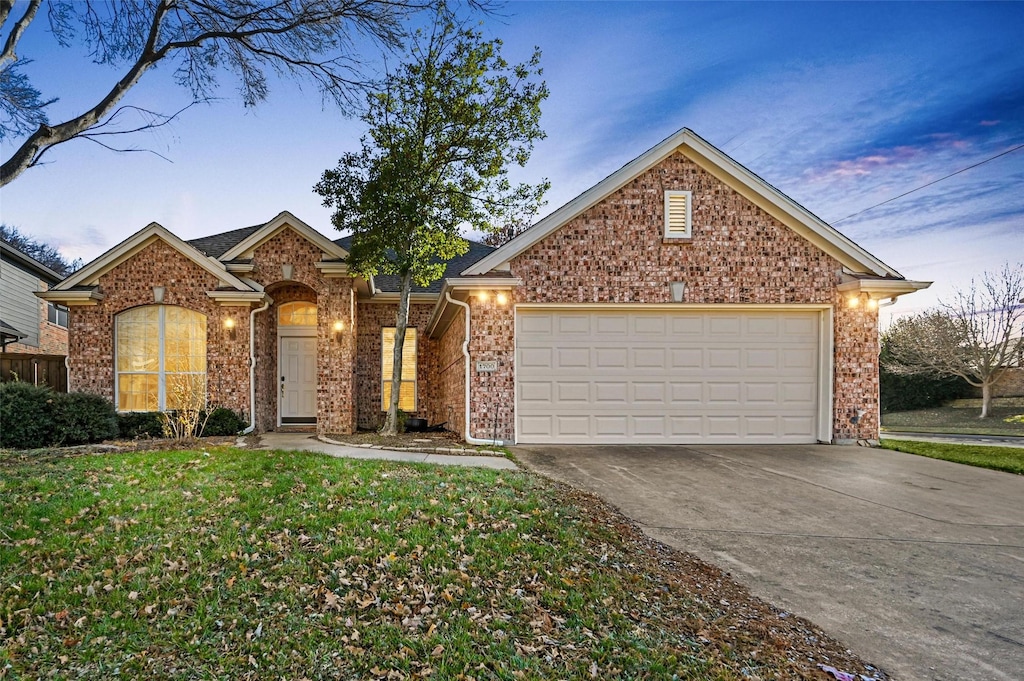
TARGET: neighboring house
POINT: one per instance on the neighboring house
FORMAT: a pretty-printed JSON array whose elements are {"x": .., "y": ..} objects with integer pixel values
[
  {"x": 680, "y": 300},
  {"x": 27, "y": 324}
]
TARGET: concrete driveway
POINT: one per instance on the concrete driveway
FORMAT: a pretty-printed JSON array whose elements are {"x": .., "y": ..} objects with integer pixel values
[{"x": 915, "y": 564}]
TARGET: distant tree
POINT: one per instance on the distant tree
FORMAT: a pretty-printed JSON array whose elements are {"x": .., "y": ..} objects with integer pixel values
[
  {"x": 443, "y": 130},
  {"x": 199, "y": 39},
  {"x": 975, "y": 337},
  {"x": 505, "y": 233},
  {"x": 44, "y": 253}
]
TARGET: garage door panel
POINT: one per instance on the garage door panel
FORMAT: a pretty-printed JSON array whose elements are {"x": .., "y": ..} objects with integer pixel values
[
  {"x": 667, "y": 377},
  {"x": 573, "y": 391},
  {"x": 649, "y": 393},
  {"x": 572, "y": 358},
  {"x": 611, "y": 393},
  {"x": 535, "y": 358},
  {"x": 611, "y": 358},
  {"x": 686, "y": 358},
  {"x": 612, "y": 325},
  {"x": 649, "y": 358},
  {"x": 573, "y": 325}
]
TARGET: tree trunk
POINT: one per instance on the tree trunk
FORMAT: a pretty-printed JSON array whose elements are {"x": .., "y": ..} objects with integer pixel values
[
  {"x": 391, "y": 421},
  {"x": 986, "y": 398}
]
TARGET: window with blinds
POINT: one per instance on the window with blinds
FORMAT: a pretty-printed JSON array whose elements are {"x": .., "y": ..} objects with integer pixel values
[
  {"x": 407, "y": 394},
  {"x": 677, "y": 215}
]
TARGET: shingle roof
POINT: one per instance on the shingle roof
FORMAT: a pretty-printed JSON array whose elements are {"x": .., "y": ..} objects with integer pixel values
[
  {"x": 391, "y": 283},
  {"x": 217, "y": 244}
]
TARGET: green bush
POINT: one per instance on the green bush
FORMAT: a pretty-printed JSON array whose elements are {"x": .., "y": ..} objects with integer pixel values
[
  {"x": 222, "y": 421},
  {"x": 906, "y": 393},
  {"x": 140, "y": 424},
  {"x": 26, "y": 415},
  {"x": 81, "y": 418}
]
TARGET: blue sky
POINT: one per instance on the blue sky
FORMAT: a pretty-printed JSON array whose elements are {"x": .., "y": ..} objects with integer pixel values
[{"x": 841, "y": 106}]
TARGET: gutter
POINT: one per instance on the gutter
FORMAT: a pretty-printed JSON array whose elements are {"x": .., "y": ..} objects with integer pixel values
[
  {"x": 465, "y": 353},
  {"x": 252, "y": 366}
]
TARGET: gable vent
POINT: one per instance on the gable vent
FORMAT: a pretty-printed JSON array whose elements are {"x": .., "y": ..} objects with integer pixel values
[{"x": 677, "y": 215}]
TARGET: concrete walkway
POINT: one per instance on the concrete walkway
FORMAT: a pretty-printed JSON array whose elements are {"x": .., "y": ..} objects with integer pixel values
[{"x": 305, "y": 442}]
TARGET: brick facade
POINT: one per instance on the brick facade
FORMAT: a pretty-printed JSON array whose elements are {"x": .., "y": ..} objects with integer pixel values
[
  {"x": 130, "y": 284},
  {"x": 615, "y": 253},
  {"x": 372, "y": 318}
]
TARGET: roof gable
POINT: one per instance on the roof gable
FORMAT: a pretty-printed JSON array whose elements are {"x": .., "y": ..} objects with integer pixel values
[
  {"x": 90, "y": 274},
  {"x": 284, "y": 220},
  {"x": 716, "y": 162}
]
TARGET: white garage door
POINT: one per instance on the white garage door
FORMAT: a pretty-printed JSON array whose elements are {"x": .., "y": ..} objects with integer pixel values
[{"x": 681, "y": 377}]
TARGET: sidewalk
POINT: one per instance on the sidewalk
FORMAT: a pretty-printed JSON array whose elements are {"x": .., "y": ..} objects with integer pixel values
[
  {"x": 306, "y": 442},
  {"x": 986, "y": 440}
]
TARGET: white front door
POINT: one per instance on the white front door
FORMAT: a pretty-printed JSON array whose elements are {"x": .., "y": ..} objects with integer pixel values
[{"x": 297, "y": 389}]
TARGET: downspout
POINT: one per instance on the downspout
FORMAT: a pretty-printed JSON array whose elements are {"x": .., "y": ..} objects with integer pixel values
[
  {"x": 465, "y": 352},
  {"x": 252, "y": 367}
]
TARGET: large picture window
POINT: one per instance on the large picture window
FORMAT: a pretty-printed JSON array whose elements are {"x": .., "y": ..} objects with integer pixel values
[
  {"x": 407, "y": 393},
  {"x": 160, "y": 358}
]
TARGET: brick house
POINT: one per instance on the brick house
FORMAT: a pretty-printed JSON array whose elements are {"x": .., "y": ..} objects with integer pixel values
[{"x": 680, "y": 300}]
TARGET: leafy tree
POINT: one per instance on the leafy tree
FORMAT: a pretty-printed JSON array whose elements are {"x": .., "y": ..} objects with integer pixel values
[
  {"x": 975, "y": 337},
  {"x": 443, "y": 130},
  {"x": 44, "y": 253},
  {"x": 200, "y": 40}
]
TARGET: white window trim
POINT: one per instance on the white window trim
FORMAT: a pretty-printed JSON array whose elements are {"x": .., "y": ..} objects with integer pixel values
[
  {"x": 387, "y": 378},
  {"x": 688, "y": 232},
  {"x": 161, "y": 374}
]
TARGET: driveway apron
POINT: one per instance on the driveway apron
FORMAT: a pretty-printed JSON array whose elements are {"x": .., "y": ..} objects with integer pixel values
[{"x": 916, "y": 564}]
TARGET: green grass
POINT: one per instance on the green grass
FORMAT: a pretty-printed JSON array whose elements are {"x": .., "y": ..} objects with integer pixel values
[
  {"x": 249, "y": 564},
  {"x": 957, "y": 420},
  {"x": 1010, "y": 459}
]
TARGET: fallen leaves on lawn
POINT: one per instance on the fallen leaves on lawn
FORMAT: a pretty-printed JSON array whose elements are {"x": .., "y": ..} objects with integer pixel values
[{"x": 257, "y": 565}]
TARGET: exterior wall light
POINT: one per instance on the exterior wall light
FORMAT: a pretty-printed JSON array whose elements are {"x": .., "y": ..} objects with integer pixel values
[
  {"x": 678, "y": 289},
  {"x": 502, "y": 299},
  {"x": 853, "y": 301},
  {"x": 338, "y": 327},
  {"x": 229, "y": 326},
  {"x": 482, "y": 296}
]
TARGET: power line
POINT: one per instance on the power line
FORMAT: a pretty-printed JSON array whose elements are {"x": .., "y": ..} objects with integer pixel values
[{"x": 962, "y": 170}]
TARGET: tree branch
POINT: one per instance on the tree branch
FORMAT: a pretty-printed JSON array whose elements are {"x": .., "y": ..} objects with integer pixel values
[{"x": 8, "y": 55}]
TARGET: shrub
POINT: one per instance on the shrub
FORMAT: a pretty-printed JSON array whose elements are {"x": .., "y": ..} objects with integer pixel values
[
  {"x": 221, "y": 421},
  {"x": 137, "y": 424},
  {"x": 26, "y": 416},
  {"x": 81, "y": 418}
]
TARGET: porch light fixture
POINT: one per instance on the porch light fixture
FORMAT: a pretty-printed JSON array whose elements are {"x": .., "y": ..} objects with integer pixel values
[
  {"x": 502, "y": 299},
  {"x": 678, "y": 289},
  {"x": 338, "y": 328},
  {"x": 287, "y": 270},
  {"x": 482, "y": 296},
  {"x": 158, "y": 294},
  {"x": 229, "y": 326},
  {"x": 853, "y": 301}
]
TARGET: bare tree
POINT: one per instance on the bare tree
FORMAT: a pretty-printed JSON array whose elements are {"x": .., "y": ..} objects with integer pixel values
[
  {"x": 43, "y": 252},
  {"x": 976, "y": 337},
  {"x": 315, "y": 40}
]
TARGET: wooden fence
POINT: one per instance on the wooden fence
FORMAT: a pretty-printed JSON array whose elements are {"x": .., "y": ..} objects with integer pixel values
[{"x": 36, "y": 369}]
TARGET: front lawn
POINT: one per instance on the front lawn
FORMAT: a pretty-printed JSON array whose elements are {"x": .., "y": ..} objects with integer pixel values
[
  {"x": 1010, "y": 459},
  {"x": 248, "y": 564},
  {"x": 958, "y": 420}
]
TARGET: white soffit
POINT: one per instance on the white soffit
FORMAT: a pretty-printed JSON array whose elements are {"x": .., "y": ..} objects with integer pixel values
[{"x": 724, "y": 168}]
